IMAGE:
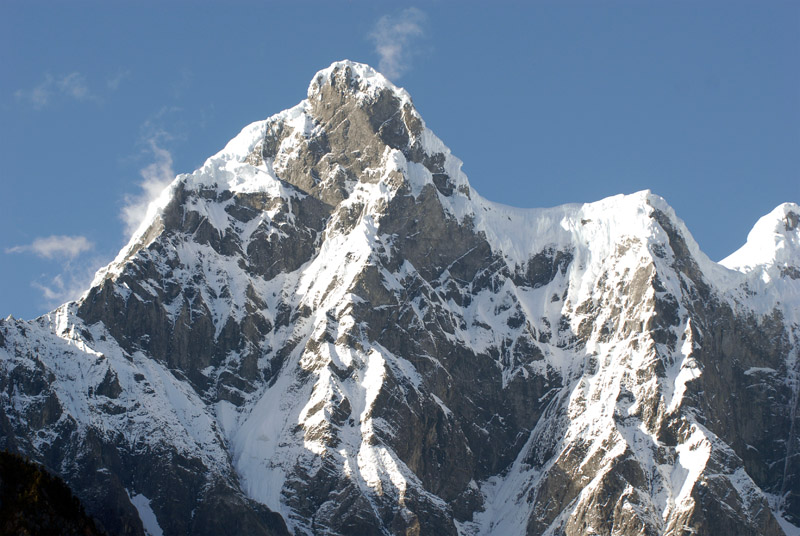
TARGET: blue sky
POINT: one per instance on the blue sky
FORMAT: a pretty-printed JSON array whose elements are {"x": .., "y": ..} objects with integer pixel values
[{"x": 545, "y": 102}]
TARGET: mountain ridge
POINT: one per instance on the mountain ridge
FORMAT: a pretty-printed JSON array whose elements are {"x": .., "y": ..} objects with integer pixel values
[{"x": 326, "y": 326}]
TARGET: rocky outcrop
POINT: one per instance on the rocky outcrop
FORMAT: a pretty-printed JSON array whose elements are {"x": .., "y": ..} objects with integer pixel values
[{"x": 325, "y": 330}]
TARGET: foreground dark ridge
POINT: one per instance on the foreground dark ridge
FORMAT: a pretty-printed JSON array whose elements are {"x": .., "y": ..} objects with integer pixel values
[{"x": 33, "y": 502}]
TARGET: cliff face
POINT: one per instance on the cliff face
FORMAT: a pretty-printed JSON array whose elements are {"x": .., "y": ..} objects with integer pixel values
[{"x": 325, "y": 330}]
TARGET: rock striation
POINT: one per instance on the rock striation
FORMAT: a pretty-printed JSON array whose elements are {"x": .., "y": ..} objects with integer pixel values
[{"x": 326, "y": 330}]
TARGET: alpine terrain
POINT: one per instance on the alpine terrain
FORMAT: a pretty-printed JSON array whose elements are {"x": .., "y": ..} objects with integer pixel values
[{"x": 325, "y": 330}]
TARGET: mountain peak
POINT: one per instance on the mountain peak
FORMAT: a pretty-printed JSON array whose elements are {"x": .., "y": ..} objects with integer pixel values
[
  {"x": 358, "y": 78},
  {"x": 335, "y": 334},
  {"x": 774, "y": 240}
]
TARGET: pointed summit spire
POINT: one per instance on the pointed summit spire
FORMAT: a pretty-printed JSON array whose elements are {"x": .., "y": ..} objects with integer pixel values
[{"x": 346, "y": 75}]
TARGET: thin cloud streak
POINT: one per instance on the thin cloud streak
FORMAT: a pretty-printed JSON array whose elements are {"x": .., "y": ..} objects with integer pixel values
[
  {"x": 394, "y": 37},
  {"x": 163, "y": 127},
  {"x": 115, "y": 81},
  {"x": 156, "y": 176},
  {"x": 72, "y": 281},
  {"x": 76, "y": 272},
  {"x": 55, "y": 247},
  {"x": 72, "y": 86},
  {"x": 57, "y": 291}
]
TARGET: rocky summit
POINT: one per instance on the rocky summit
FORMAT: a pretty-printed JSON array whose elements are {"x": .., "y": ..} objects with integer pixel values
[{"x": 325, "y": 330}]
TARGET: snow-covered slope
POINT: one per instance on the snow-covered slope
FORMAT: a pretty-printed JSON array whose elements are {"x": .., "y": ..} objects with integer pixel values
[
  {"x": 326, "y": 322},
  {"x": 772, "y": 242}
]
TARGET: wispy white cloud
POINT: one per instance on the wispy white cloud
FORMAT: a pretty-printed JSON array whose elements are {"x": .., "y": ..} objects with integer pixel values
[
  {"x": 182, "y": 83},
  {"x": 113, "y": 82},
  {"x": 74, "y": 279},
  {"x": 72, "y": 85},
  {"x": 55, "y": 247},
  {"x": 39, "y": 96},
  {"x": 394, "y": 38},
  {"x": 58, "y": 291},
  {"x": 155, "y": 177},
  {"x": 75, "y": 274},
  {"x": 158, "y": 132}
]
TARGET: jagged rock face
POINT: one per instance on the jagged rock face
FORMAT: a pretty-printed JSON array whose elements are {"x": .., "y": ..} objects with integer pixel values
[{"x": 325, "y": 322}]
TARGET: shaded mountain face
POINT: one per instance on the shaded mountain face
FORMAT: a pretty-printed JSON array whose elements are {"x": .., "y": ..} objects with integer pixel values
[{"x": 325, "y": 330}]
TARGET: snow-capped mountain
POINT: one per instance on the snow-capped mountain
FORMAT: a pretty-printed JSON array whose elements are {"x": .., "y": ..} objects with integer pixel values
[{"x": 326, "y": 330}]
